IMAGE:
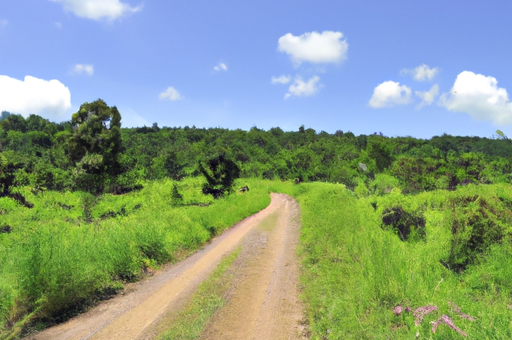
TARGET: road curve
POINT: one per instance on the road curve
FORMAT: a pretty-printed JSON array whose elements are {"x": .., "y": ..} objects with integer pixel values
[{"x": 263, "y": 305}]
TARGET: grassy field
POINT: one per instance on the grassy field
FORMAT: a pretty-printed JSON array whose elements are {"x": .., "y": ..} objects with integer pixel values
[
  {"x": 357, "y": 269},
  {"x": 73, "y": 248},
  {"x": 442, "y": 256}
]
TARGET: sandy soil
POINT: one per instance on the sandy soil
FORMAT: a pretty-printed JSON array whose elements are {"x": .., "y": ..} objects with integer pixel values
[{"x": 262, "y": 304}]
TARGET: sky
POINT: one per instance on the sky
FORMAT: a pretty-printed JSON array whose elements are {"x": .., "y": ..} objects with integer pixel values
[{"x": 400, "y": 67}]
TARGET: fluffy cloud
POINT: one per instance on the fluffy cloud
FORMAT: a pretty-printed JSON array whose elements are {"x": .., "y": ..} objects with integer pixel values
[
  {"x": 220, "y": 67},
  {"x": 171, "y": 93},
  {"x": 480, "y": 97},
  {"x": 314, "y": 47},
  {"x": 281, "y": 79},
  {"x": 50, "y": 99},
  {"x": 300, "y": 88},
  {"x": 422, "y": 72},
  {"x": 390, "y": 93},
  {"x": 427, "y": 97},
  {"x": 83, "y": 68},
  {"x": 98, "y": 9}
]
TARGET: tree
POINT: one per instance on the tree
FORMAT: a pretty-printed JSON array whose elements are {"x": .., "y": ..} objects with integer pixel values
[
  {"x": 95, "y": 143},
  {"x": 7, "y": 178},
  {"x": 220, "y": 173}
]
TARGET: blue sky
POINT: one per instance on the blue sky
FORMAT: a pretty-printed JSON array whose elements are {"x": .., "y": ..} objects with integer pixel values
[{"x": 403, "y": 68}]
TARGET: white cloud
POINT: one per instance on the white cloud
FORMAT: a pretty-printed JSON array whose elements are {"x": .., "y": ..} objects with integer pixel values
[
  {"x": 98, "y": 9},
  {"x": 220, "y": 67},
  {"x": 422, "y": 72},
  {"x": 480, "y": 97},
  {"x": 49, "y": 99},
  {"x": 427, "y": 97},
  {"x": 314, "y": 47},
  {"x": 58, "y": 25},
  {"x": 281, "y": 79},
  {"x": 3, "y": 23},
  {"x": 83, "y": 68},
  {"x": 390, "y": 93},
  {"x": 300, "y": 88},
  {"x": 171, "y": 93}
]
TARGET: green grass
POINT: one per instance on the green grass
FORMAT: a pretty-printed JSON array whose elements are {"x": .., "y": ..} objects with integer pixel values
[
  {"x": 355, "y": 271},
  {"x": 191, "y": 321},
  {"x": 54, "y": 260}
]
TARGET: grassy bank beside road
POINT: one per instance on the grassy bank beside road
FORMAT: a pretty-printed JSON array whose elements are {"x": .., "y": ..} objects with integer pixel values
[
  {"x": 362, "y": 280},
  {"x": 387, "y": 266},
  {"x": 73, "y": 248}
]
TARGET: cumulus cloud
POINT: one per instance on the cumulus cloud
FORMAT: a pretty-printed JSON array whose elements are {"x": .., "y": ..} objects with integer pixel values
[
  {"x": 98, "y": 9},
  {"x": 83, "y": 68},
  {"x": 427, "y": 97},
  {"x": 47, "y": 98},
  {"x": 301, "y": 88},
  {"x": 314, "y": 47},
  {"x": 281, "y": 79},
  {"x": 422, "y": 72},
  {"x": 171, "y": 93},
  {"x": 480, "y": 97},
  {"x": 390, "y": 93},
  {"x": 220, "y": 67}
]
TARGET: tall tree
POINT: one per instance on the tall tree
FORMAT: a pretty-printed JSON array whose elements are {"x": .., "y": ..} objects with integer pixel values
[
  {"x": 220, "y": 173},
  {"x": 96, "y": 141}
]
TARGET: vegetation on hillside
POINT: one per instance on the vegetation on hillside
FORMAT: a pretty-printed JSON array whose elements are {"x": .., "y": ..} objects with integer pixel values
[
  {"x": 363, "y": 279},
  {"x": 74, "y": 248},
  {"x": 91, "y": 153},
  {"x": 402, "y": 231}
]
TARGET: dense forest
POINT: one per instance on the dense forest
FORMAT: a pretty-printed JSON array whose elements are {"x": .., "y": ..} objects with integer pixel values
[{"x": 93, "y": 153}]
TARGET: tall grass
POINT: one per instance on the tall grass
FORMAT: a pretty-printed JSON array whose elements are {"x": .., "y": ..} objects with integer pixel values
[
  {"x": 73, "y": 248},
  {"x": 355, "y": 272}
]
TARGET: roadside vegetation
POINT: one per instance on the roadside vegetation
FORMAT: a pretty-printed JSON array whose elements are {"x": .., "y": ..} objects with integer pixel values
[
  {"x": 401, "y": 237},
  {"x": 73, "y": 248},
  {"x": 437, "y": 265}
]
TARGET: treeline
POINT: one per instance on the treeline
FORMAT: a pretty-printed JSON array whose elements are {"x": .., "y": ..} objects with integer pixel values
[{"x": 78, "y": 154}]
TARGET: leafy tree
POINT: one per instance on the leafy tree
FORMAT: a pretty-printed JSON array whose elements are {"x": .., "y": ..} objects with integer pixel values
[
  {"x": 220, "y": 173},
  {"x": 95, "y": 143},
  {"x": 7, "y": 181}
]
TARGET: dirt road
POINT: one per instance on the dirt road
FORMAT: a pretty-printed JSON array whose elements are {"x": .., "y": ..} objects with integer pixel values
[{"x": 263, "y": 303}]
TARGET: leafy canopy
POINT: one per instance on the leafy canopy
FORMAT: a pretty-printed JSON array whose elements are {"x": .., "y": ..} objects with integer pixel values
[{"x": 220, "y": 173}]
